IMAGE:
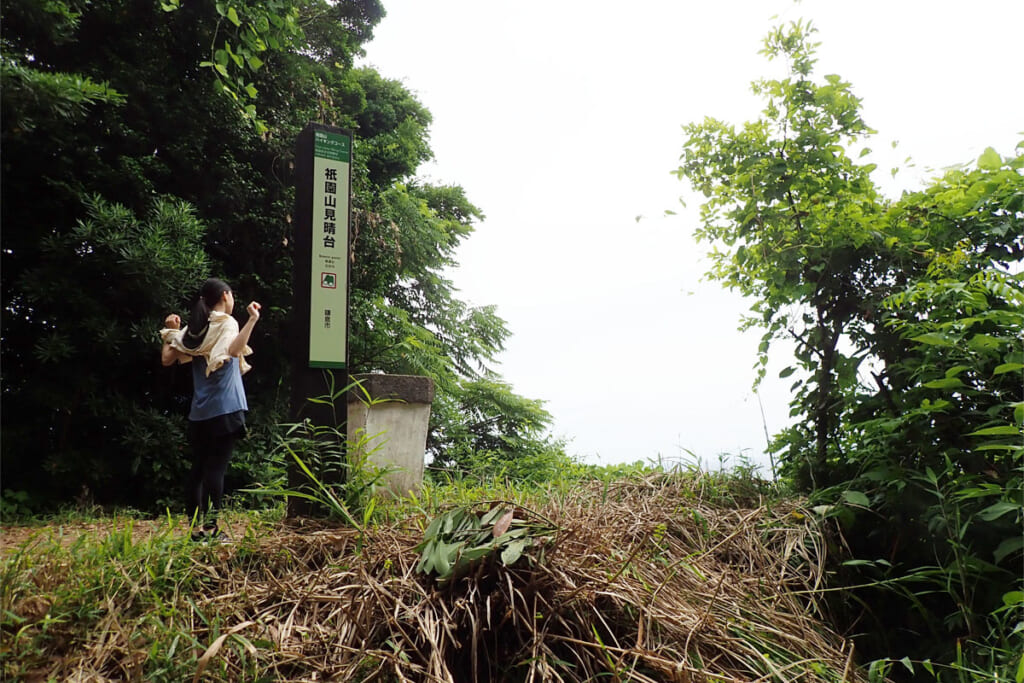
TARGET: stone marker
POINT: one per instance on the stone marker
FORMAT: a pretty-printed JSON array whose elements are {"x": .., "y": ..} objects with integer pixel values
[{"x": 395, "y": 420}]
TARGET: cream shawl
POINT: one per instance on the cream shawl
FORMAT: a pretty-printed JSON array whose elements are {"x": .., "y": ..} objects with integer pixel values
[{"x": 223, "y": 330}]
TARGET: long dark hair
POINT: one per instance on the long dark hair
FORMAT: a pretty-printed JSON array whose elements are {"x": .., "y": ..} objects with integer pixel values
[{"x": 211, "y": 292}]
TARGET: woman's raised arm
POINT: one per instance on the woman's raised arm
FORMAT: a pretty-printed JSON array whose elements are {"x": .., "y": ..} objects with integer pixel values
[{"x": 240, "y": 341}]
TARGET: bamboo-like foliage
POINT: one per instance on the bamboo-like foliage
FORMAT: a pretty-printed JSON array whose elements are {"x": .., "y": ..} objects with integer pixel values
[{"x": 645, "y": 580}]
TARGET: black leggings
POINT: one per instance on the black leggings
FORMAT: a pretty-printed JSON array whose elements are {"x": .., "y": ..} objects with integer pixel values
[{"x": 204, "y": 489}]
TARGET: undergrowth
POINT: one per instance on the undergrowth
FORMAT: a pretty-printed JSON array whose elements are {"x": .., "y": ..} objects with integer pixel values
[
  {"x": 145, "y": 606},
  {"x": 155, "y": 606}
]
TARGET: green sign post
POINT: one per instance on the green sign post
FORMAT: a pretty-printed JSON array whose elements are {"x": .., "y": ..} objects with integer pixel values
[
  {"x": 328, "y": 284},
  {"x": 319, "y": 322}
]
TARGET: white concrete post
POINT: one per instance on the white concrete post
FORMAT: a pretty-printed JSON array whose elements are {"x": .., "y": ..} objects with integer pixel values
[{"x": 392, "y": 425}]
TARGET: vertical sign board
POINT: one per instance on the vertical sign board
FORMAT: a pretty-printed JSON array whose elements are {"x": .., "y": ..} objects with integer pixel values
[
  {"x": 318, "y": 330},
  {"x": 328, "y": 283}
]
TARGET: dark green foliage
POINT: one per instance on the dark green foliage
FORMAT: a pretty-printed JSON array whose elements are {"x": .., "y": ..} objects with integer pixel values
[
  {"x": 91, "y": 305},
  {"x": 489, "y": 430},
  {"x": 123, "y": 117},
  {"x": 908, "y": 392}
]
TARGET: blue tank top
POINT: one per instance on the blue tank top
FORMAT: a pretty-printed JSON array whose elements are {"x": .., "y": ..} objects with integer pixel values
[{"x": 219, "y": 394}]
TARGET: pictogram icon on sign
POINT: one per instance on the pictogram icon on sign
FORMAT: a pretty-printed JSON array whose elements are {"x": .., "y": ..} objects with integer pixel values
[{"x": 328, "y": 280}]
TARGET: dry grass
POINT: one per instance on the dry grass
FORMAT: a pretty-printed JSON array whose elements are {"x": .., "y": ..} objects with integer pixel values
[{"x": 646, "y": 580}]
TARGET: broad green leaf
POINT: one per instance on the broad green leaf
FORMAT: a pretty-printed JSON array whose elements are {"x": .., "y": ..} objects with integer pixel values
[
  {"x": 946, "y": 383},
  {"x": 514, "y": 533},
  {"x": 444, "y": 556},
  {"x": 984, "y": 342},
  {"x": 433, "y": 528},
  {"x": 881, "y": 474},
  {"x": 956, "y": 370},
  {"x": 877, "y": 671},
  {"x": 1009, "y": 546},
  {"x": 856, "y": 498},
  {"x": 1005, "y": 430},
  {"x": 934, "y": 338},
  {"x": 983, "y": 491},
  {"x": 471, "y": 554},
  {"x": 1013, "y": 598},
  {"x": 221, "y": 57},
  {"x": 935, "y": 406},
  {"x": 787, "y": 372},
  {"x": 990, "y": 160},
  {"x": 514, "y": 551},
  {"x": 1007, "y": 367},
  {"x": 233, "y": 17},
  {"x": 997, "y": 510},
  {"x": 906, "y": 662},
  {"x": 421, "y": 566},
  {"x": 255, "y": 62}
]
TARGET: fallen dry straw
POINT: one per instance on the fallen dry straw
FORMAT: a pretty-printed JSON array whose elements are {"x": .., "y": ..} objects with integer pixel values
[{"x": 646, "y": 580}]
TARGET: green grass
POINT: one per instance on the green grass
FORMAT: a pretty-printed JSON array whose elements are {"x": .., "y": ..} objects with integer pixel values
[{"x": 68, "y": 583}]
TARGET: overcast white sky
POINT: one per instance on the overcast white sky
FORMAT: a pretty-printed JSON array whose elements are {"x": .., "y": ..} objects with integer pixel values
[{"x": 562, "y": 120}]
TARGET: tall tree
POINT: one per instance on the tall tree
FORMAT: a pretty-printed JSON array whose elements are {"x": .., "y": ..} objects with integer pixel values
[
  {"x": 905, "y": 315},
  {"x": 797, "y": 216},
  {"x": 120, "y": 113}
]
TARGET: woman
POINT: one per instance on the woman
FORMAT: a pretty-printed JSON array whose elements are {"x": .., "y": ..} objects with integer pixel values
[{"x": 216, "y": 348}]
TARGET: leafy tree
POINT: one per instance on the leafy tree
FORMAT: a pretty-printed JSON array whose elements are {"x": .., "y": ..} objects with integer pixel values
[
  {"x": 796, "y": 214},
  {"x": 905, "y": 315},
  {"x": 486, "y": 428},
  {"x": 91, "y": 304},
  {"x": 938, "y": 446},
  {"x": 128, "y": 107}
]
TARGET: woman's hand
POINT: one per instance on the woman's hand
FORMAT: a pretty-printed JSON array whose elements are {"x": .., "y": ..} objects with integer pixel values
[
  {"x": 238, "y": 344},
  {"x": 173, "y": 322}
]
